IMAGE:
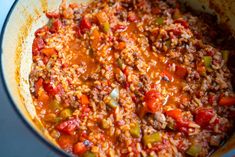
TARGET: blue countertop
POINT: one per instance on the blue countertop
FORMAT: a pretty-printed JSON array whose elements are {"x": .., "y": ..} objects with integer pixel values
[{"x": 16, "y": 140}]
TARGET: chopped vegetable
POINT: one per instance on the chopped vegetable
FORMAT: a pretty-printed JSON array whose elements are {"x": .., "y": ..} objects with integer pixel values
[
  {"x": 203, "y": 116},
  {"x": 168, "y": 43},
  {"x": 49, "y": 51},
  {"x": 43, "y": 97},
  {"x": 112, "y": 99},
  {"x": 207, "y": 62},
  {"x": 84, "y": 100},
  {"x": 181, "y": 72},
  {"x": 85, "y": 24},
  {"x": 201, "y": 69},
  {"x": 103, "y": 21},
  {"x": 194, "y": 150},
  {"x": 167, "y": 76},
  {"x": 182, "y": 22},
  {"x": 52, "y": 15},
  {"x": 160, "y": 20},
  {"x": 152, "y": 100},
  {"x": 227, "y": 101},
  {"x": 38, "y": 85},
  {"x": 114, "y": 94},
  {"x": 51, "y": 118},
  {"x": 135, "y": 130},
  {"x": 180, "y": 124},
  {"x": 120, "y": 63},
  {"x": 66, "y": 113},
  {"x": 120, "y": 28},
  {"x": 152, "y": 138},
  {"x": 79, "y": 148},
  {"x": 68, "y": 126},
  {"x": 113, "y": 103},
  {"x": 50, "y": 88},
  {"x": 106, "y": 27},
  {"x": 55, "y": 105},
  {"x": 121, "y": 45},
  {"x": 143, "y": 110},
  {"x": 225, "y": 54},
  {"x": 88, "y": 154},
  {"x": 95, "y": 39},
  {"x": 56, "y": 25},
  {"x": 175, "y": 114},
  {"x": 41, "y": 31},
  {"x": 104, "y": 124},
  {"x": 38, "y": 44},
  {"x": 66, "y": 142}
]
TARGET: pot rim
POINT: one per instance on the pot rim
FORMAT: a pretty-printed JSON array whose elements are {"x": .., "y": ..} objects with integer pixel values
[{"x": 9, "y": 96}]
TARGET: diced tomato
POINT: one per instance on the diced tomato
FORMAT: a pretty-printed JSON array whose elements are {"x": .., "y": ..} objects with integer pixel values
[
  {"x": 175, "y": 114},
  {"x": 121, "y": 46},
  {"x": 182, "y": 22},
  {"x": 203, "y": 116},
  {"x": 167, "y": 76},
  {"x": 126, "y": 72},
  {"x": 84, "y": 100},
  {"x": 182, "y": 125},
  {"x": 52, "y": 15},
  {"x": 119, "y": 28},
  {"x": 69, "y": 126},
  {"x": 156, "y": 10},
  {"x": 49, "y": 51},
  {"x": 45, "y": 59},
  {"x": 176, "y": 32},
  {"x": 38, "y": 85},
  {"x": 152, "y": 100},
  {"x": 79, "y": 148},
  {"x": 227, "y": 101},
  {"x": 181, "y": 72},
  {"x": 41, "y": 31},
  {"x": 50, "y": 88},
  {"x": 56, "y": 25},
  {"x": 85, "y": 24},
  {"x": 132, "y": 17},
  {"x": 38, "y": 44},
  {"x": 66, "y": 142}
]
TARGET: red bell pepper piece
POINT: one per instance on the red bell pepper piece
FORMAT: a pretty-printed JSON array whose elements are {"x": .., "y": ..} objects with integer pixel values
[{"x": 227, "y": 101}]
